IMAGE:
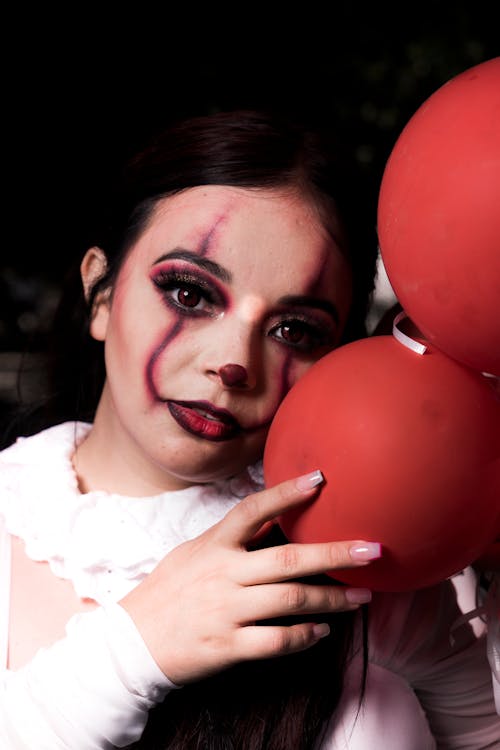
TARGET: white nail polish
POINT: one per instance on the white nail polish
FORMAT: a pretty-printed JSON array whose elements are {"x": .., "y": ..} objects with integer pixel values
[
  {"x": 308, "y": 481},
  {"x": 358, "y": 596},
  {"x": 367, "y": 551},
  {"x": 321, "y": 630}
]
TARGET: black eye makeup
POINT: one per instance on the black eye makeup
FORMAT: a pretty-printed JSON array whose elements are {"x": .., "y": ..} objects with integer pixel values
[
  {"x": 188, "y": 291},
  {"x": 307, "y": 324},
  {"x": 306, "y": 334}
]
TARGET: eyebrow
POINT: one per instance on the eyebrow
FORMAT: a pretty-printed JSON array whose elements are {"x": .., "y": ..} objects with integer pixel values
[
  {"x": 312, "y": 302},
  {"x": 207, "y": 265}
]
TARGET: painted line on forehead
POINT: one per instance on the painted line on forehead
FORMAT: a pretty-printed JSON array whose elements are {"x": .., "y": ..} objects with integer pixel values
[
  {"x": 150, "y": 367},
  {"x": 341, "y": 263},
  {"x": 313, "y": 298},
  {"x": 208, "y": 239},
  {"x": 317, "y": 273}
]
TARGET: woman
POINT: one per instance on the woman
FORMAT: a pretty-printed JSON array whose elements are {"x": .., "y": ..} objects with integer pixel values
[{"x": 223, "y": 272}]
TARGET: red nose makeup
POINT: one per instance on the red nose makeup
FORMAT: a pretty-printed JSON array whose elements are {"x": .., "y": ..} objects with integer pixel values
[{"x": 233, "y": 375}]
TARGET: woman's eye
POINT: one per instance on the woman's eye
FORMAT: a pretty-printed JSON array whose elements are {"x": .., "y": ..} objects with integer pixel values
[
  {"x": 294, "y": 333},
  {"x": 189, "y": 298},
  {"x": 187, "y": 295},
  {"x": 302, "y": 335}
]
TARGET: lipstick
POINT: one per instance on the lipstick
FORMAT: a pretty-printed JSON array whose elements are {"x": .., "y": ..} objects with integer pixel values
[{"x": 204, "y": 420}]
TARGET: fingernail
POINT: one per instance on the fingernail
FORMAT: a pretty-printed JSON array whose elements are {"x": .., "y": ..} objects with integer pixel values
[
  {"x": 358, "y": 596},
  {"x": 321, "y": 630},
  {"x": 366, "y": 551},
  {"x": 308, "y": 481}
]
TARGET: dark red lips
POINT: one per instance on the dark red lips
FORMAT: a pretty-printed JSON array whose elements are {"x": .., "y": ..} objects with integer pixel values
[{"x": 204, "y": 420}]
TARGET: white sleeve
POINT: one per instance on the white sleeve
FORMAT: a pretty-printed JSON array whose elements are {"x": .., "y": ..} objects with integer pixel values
[{"x": 91, "y": 690}]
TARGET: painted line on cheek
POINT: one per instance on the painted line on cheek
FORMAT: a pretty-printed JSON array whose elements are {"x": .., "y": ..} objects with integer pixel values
[
  {"x": 150, "y": 367},
  {"x": 285, "y": 377}
]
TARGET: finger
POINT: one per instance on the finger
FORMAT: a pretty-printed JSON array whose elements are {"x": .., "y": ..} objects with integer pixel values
[
  {"x": 295, "y": 598},
  {"x": 245, "y": 519},
  {"x": 287, "y": 561},
  {"x": 268, "y": 641}
]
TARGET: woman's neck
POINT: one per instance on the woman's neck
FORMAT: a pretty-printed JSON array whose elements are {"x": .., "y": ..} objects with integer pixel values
[{"x": 107, "y": 460}]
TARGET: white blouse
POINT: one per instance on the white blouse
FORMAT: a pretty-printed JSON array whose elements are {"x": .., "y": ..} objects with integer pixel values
[
  {"x": 93, "y": 689},
  {"x": 5, "y": 564}
]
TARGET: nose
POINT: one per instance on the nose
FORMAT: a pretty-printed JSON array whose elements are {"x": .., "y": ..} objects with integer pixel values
[
  {"x": 234, "y": 355},
  {"x": 233, "y": 375}
]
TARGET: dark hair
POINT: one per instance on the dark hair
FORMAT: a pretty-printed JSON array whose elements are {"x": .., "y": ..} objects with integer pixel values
[
  {"x": 251, "y": 150},
  {"x": 239, "y": 148}
]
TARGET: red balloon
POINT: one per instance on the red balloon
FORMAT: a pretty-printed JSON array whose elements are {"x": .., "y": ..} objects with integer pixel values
[
  {"x": 439, "y": 217},
  {"x": 409, "y": 445}
]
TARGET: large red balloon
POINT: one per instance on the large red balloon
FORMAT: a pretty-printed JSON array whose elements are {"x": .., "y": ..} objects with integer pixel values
[
  {"x": 409, "y": 445},
  {"x": 439, "y": 217}
]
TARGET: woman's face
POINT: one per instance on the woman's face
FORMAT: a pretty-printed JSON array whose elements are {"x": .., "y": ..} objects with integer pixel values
[{"x": 221, "y": 276}]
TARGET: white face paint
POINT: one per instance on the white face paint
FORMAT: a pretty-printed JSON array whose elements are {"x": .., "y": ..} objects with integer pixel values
[{"x": 220, "y": 276}]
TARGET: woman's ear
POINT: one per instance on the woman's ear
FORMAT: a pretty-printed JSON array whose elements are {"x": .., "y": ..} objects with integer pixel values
[{"x": 92, "y": 268}]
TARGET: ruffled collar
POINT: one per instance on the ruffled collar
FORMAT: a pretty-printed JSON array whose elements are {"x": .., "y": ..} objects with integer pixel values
[{"x": 104, "y": 543}]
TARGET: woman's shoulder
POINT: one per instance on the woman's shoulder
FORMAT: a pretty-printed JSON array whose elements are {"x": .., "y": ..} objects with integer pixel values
[{"x": 33, "y": 467}]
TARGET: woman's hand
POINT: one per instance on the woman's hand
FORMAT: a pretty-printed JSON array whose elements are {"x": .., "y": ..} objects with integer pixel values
[{"x": 197, "y": 609}]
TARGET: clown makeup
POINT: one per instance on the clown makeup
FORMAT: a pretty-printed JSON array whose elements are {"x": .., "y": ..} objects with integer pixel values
[{"x": 225, "y": 300}]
